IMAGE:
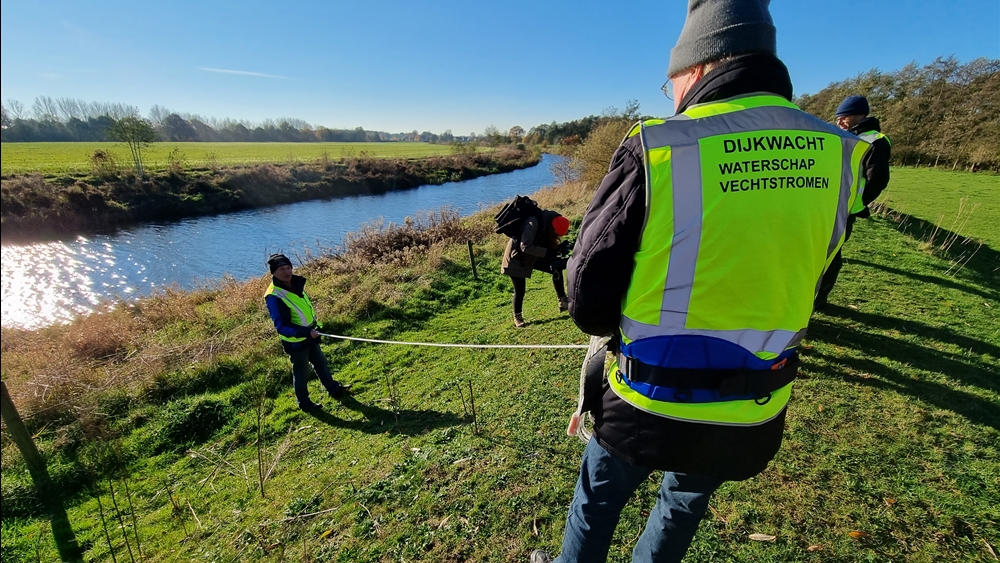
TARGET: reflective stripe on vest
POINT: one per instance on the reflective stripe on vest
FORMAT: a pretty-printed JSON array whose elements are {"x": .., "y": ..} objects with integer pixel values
[
  {"x": 790, "y": 181},
  {"x": 729, "y": 413},
  {"x": 301, "y": 309},
  {"x": 872, "y": 136}
]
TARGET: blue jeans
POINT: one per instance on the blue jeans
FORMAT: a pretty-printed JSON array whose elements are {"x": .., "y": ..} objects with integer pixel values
[
  {"x": 309, "y": 353},
  {"x": 606, "y": 483}
]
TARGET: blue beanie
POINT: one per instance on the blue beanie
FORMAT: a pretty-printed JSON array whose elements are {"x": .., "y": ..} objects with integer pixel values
[{"x": 853, "y": 105}]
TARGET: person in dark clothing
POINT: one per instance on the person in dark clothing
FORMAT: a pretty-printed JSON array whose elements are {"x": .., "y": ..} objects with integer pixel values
[
  {"x": 703, "y": 279},
  {"x": 852, "y": 115},
  {"x": 295, "y": 320},
  {"x": 535, "y": 249}
]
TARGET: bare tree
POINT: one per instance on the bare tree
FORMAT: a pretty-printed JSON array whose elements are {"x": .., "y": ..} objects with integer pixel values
[
  {"x": 158, "y": 113},
  {"x": 45, "y": 109},
  {"x": 135, "y": 132},
  {"x": 16, "y": 109},
  {"x": 70, "y": 108}
]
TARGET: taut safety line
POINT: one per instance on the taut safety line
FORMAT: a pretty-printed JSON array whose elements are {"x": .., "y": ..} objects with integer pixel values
[{"x": 439, "y": 345}]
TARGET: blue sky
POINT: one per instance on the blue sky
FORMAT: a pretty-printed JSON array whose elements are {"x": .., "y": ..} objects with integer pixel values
[{"x": 435, "y": 65}]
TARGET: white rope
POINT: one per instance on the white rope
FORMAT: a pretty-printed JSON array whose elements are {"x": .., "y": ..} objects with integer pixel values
[{"x": 439, "y": 345}]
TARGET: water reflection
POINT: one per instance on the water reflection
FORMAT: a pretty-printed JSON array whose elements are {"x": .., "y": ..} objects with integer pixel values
[{"x": 51, "y": 282}]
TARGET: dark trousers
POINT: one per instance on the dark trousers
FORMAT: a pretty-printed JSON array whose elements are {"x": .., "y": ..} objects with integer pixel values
[
  {"x": 606, "y": 484},
  {"x": 309, "y": 353},
  {"x": 830, "y": 276},
  {"x": 520, "y": 285}
]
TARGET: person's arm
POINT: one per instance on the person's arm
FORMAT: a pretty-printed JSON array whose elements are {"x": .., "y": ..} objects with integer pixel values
[
  {"x": 600, "y": 269},
  {"x": 527, "y": 242},
  {"x": 876, "y": 167},
  {"x": 282, "y": 319}
]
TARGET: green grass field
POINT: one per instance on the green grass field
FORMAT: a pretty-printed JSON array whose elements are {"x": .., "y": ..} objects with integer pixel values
[
  {"x": 958, "y": 201},
  {"x": 890, "y": 454},
  {"x": 68, "y": 158}
]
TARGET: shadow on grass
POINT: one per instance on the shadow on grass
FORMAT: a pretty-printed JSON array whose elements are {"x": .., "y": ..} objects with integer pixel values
[
  {"x": 968, "y": 370},
  {"x": 982, "y": 262},
  {"x": 936, "y": 280},
  {"x": 974, "y": 409},
  {"x": 911, "y": 327},
  {"x": 377, "y": 420}
]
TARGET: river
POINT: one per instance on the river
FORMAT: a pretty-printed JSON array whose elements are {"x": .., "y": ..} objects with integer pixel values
[{"x": 52, "y": 282}]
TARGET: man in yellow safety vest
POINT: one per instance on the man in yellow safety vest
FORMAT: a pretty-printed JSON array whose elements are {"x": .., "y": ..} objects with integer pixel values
[
  {"x": 296, "y": 323},
  {"x": 852, "y": 116},
  {"x": 701, "y": 254}
]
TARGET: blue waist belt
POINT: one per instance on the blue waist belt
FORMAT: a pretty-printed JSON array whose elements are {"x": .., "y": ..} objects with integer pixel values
[{"x": 687, "y": 385}]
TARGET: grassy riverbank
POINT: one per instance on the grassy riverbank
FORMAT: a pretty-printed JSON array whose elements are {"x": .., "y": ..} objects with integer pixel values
[
  {"x": 35, "y": 207},
  {"x": 61, "y": 159},
  {"x": 890, "y": 452}
]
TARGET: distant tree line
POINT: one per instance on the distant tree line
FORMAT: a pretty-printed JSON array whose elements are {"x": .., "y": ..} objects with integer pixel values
[
  {"x": 574, "y": 132},
  {"x": 941, "y": 114},
  {"x": 67, "y": 120}
]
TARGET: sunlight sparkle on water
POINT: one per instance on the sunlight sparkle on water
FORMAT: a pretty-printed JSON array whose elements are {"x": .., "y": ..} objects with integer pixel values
[{"x": 47, "y": 283}]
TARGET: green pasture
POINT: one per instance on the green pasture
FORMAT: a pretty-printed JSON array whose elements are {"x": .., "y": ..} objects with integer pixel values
[
  {"x": 961, "y": 202},
  {"x": 890, "y": 455},
  {"x": 70, "y": 158}
]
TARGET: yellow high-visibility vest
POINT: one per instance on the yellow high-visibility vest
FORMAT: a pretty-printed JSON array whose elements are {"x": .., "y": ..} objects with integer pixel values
[
  {"x": 872, "y": 136},
  {"x": 300, "y": 307},
  {"x": 747, "y": 201}
]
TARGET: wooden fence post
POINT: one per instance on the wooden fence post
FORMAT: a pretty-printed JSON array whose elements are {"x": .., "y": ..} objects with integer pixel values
[
  {"x": 69, "y": 550},
  {"x": 472, "y": 259}
]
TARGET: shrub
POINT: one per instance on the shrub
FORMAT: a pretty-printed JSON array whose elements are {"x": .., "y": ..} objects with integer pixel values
[
  {"x": 396, "y": 244},
  {"x": 105, "y": 165},
  {"x": 592, "y": 157},
  {"x": 191, "y": 421}
]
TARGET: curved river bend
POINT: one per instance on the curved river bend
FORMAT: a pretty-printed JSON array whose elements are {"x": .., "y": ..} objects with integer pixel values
[{"x": 45, "y": 283}]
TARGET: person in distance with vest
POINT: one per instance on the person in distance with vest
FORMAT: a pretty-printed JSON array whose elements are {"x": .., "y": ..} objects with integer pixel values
[
  {"x": 701, "y": 254},
  {"x": 539, "y": 239},
  {"x": 295, "y": 321},
  {"x": 852, "y": 115}
]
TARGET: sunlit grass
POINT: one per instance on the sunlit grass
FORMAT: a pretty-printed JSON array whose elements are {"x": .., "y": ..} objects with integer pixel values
[{"x": 74, "y": 158}]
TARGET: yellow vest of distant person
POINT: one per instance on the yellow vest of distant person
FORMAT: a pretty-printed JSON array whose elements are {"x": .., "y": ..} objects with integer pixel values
[
  {"x": 301, "y": 309},
  {"x": 872, "y": 136},
  {"x": 747, "y": 201}
]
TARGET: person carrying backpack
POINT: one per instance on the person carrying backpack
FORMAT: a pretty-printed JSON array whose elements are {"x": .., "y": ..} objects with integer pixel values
[{"x": 535, "y": 248}]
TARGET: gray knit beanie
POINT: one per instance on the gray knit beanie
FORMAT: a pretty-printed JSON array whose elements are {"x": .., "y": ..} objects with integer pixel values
[{"x": 715, "y": 29}]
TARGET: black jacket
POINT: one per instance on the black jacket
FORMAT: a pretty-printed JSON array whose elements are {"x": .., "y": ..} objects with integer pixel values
[
  {"x": 875, "y": 163},
  {"x": 600, "y": 270}
]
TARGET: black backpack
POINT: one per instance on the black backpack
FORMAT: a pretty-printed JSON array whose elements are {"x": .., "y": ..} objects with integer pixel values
[{"x": 510, "y": 219}]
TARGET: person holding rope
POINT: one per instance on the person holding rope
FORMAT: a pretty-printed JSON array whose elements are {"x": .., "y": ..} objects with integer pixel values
[
  {"x": 700, "y": 255},
  {"x": 535, "y": 249},
  {"x": 295, "y": 321}
]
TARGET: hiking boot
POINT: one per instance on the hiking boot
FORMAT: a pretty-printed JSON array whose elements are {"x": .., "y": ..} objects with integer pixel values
[
  {"x": 563, "y": 304},
  {"x": 340, "y": 391},
  {"x": 540, "y": 556},
  {"x": 519, "y": 321},
  {"x": 310, "y": 407}
]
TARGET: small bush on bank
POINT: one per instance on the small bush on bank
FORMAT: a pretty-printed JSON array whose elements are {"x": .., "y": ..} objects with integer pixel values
[
  {"x": 191, "y": 420},
  {"x": 398, "y": 244},
  {"x": 591, "y": 160},
  {"x": 105, "y": 165}
]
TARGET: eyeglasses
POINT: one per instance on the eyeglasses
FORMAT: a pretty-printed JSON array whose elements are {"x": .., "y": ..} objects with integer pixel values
[{"x": 668, "y": 89}]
